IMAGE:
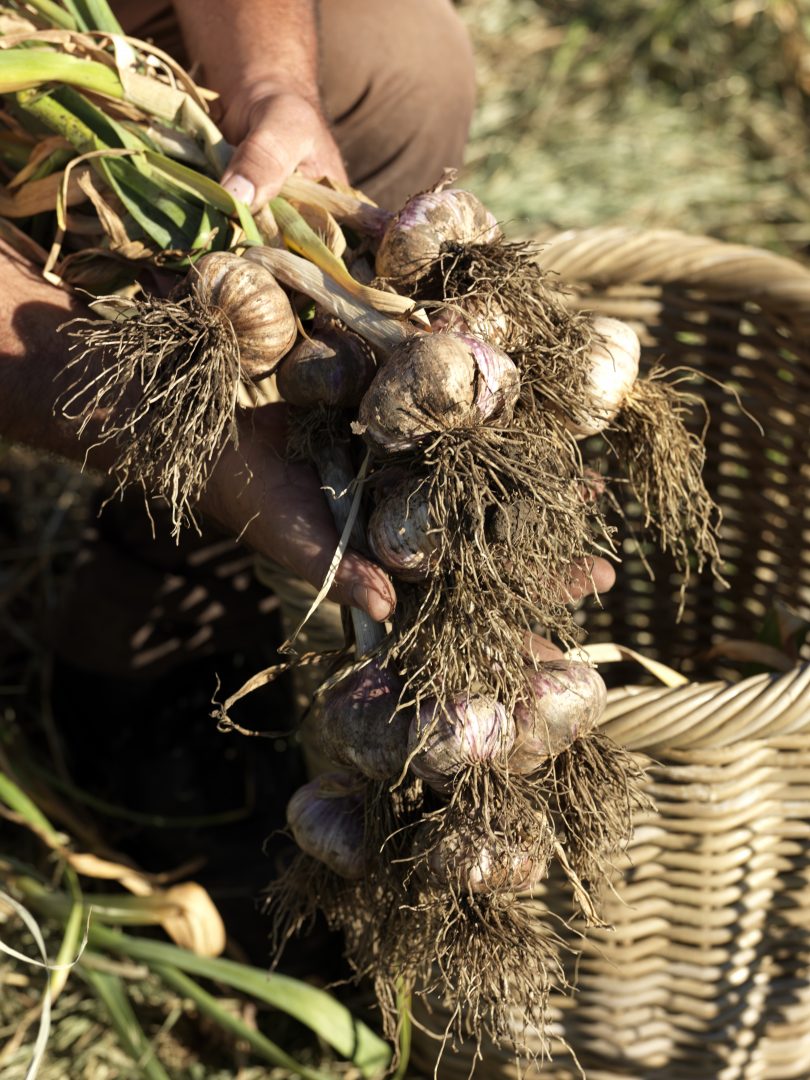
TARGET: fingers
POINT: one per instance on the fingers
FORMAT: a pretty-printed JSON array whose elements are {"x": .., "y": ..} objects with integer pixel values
[
  {"x": 285, "y": 133},
  {"x": 540, "y": 649},
  {"x": 360, "y": 584},
  {"x": 590, "y": 576}
]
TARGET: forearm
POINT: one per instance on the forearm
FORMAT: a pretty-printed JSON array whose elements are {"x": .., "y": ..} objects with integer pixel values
[
  {"x": 252, "y": 47},
  {"x": 33, "y": 361}
]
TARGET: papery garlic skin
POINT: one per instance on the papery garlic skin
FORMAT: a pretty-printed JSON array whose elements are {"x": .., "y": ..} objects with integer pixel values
[
  {"x": 255, "y": 305},
  {"x": 357, "y": 722},
  {"x": 326, "y": 819},
  {"x": 425, "y": 226},
  {"x": 470, "y": 315},
  {"x": 433, "y": 383},
  {"x": 401, "y": 536},
  {"x": 564, "y": 701},
  {"x": 612, "y": 369},
  {"x": 469, "y": 729},
  {"x": 332, "y": 367}
]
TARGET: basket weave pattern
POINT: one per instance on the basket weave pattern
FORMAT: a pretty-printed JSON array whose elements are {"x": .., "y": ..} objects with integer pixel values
[{"x": 705, "y": 974}]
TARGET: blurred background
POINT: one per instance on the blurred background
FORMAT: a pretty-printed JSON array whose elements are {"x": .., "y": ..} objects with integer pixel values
[{"x": 691, "y": 114}]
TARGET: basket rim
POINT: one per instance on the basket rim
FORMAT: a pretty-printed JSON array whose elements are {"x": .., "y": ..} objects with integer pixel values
[
  {"x": 703, "y": 715},
  {"x": 619, "y": 254}
]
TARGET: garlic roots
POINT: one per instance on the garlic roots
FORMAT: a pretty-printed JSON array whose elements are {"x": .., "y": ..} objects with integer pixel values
[{"x": 425, "y": 226}]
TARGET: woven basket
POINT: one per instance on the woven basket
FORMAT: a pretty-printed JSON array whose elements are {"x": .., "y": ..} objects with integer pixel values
[{"x": 705, "y": 974}]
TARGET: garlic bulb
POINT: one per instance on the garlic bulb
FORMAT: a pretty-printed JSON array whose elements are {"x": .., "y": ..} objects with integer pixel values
[
  {"x": 425, "y": 226},
  {"x": 466, "y": 730},
  {"x": 326, "y": 818},
  {"x": 357, "y": 723},
  {"x": 478, "y": 864},
  {"x": 612, "y": 369},
  {"x": 433, "y": 383},
  {"x": 255, "y": 305},
  {"x": 333, "y": 366},
  {"x": 564, "y": 702},
  {"x": 401, "y": 536}
]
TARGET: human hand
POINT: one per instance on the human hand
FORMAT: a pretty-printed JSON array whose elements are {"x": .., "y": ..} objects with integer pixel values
[
  {"x": 277, "y": 132},
  {"x": 279, "y": 509}
]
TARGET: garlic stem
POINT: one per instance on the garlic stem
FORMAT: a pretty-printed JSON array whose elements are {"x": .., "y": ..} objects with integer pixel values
[
  {"x": 383, "y": 332},
  {"x": 336, "y": 474},
  {"x": 344, "y": 206}
]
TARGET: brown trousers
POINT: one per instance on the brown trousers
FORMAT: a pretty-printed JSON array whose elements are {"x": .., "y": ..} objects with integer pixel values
[{"x": 397, "y": 82}]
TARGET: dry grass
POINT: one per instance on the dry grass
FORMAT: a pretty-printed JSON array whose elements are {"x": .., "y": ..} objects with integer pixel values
[{"x": 683, "y": 113}]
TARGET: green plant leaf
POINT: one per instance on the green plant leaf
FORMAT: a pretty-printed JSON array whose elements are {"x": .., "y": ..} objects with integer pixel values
[
  {"x": 23, "y": 68},
  {"x": 212, "y": 1008},
  {"x": 316, "y": 1009},
  {"x": 204, "y": 188},
  {"x": 54, "y": 13},
  {"x": 110, "y": 991},
  {"x": 97, "y": 15}
]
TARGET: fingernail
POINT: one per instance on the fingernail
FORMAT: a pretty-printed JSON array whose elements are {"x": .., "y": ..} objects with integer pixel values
[{"x": 241, "y": 188}]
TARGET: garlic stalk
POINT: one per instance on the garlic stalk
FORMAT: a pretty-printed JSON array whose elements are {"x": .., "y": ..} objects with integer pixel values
[{"x": 337, "y": 476}]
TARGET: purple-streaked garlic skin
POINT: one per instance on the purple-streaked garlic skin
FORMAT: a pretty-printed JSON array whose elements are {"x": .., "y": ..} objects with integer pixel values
[
  {"x": 468, "y": 729},
  {"x": 469, "y": 316},
  {"x": 326, "y": 818},
  {"x": 254, "y": 303},
  {"x": 468, "y": 864},
  {"x": 425, "y": 226},
  {"x": 401, "y": 536},
  {"x": 564, "y": 701},
  {"x": 357, "y": 723},
  {"x": 331, "y": 367},
  {"x": 433, "y": 383},
  {"x": 498, "y": 379},
  {"x": 613, "y": 369}
]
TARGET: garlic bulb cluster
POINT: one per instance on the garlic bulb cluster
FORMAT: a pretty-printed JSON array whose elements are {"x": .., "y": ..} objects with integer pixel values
[
  {"x": 564, "y": 701},
  {"x": 325, "y": 817},
  {"x": 448, "y": 736},
  {"x": 401, "y": 536},
  {"x": 262, "y": 318},
  {"x": 357, "y": 722},
  {"x": 332, "y": 366},
  {"x": 425, "y": 226},
  {"x": 611, "y": 371},
  {"x": 433, "y": 383}
]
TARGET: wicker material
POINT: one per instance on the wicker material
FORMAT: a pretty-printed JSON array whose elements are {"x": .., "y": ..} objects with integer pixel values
[{"x": 706, "y": 974}]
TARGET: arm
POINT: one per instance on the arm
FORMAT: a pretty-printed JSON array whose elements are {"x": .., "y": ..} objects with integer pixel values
[
  {"x": 278, "y": 507},
  {"x": 261, "y": 56}
]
